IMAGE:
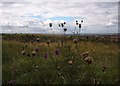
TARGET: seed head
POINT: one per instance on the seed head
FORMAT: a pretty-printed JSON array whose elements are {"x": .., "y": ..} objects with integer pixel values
[
  {"x": 85, "y": 54},
  {"x": 79, "y": 25},
  {"x": 58, "y": 68},
  {"x": 50, "y": 25},
  {"x": 62, "y": 24},
  {"x": 48, "y": 42},
  {"x": 59, "y": 25},
  {"x": 75, "y": 40},
  {"x": 82, "y": 21},
  {"x": 33, "y": 53},
  {"x": 23, "y": 52},
  {"x": 38, "y": 39},
  {"x": 65, "y": 29},
  {"x": 88, "y": 60},
  {"x": 76, "y": 22},
  {"x": 70, "y": 62}
]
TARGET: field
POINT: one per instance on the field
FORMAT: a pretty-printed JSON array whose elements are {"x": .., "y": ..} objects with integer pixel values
[{"x": 56, "y": 59}]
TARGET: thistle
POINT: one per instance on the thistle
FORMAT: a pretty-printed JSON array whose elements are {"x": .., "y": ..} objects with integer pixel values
[
  {"x": 45, "y": 55},
  {"x": 37, "y": 49},
  {"x": 57, "y": 51}
]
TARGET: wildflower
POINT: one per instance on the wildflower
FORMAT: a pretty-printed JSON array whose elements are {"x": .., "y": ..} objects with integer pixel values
[
  {"x": 33, "y": 53},
  {"x": 45, "y": 55},
  {"x": 57, "y": 51},
  {"x": 75, "y": 40},
  {"x": 70, "y": 62},
  {"x": 23, "y": 52},
  {"x": 37, "y": 49}
]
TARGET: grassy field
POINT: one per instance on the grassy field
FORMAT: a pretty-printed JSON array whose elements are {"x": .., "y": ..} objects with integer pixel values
[{"x": 47, "y": 61}]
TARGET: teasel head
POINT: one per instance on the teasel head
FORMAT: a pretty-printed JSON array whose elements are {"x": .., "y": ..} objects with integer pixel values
[
  {"x": 62, "y": 24},
  {"x": 76, "y": 22},
  {"x": 81, "y": 21},
  {"x": 65, "y": 29},
  {"x": 79, "y": 25},
  {"x": 59, "y": 25},
  {"x": 50, "y": 24}
]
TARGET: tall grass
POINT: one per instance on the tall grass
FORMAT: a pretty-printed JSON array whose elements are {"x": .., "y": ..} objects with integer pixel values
[{"x": 57, "y": 69}]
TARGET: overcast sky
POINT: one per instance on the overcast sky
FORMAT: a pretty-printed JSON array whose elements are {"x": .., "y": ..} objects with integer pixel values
[{"x": 25, "y": 17}]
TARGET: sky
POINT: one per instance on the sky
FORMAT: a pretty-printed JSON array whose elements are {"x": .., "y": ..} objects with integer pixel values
[{"x": 29, "y": 16}]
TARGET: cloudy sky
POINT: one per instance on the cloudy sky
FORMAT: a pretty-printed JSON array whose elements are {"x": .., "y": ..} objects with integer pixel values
[{"x": 34, "y": 17}]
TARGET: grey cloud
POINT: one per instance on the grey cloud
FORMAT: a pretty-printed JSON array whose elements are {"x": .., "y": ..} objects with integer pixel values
[{"x": 94, "y": 13}]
